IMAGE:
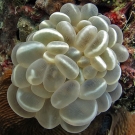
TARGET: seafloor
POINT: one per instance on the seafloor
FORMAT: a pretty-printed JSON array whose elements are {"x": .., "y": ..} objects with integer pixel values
[{"x": 18, "y": 18}]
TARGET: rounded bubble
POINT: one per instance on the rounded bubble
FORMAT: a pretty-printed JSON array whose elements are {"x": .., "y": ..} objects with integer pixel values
[
  {"x": 46, "y": 24},
  {"x": 40, "y": 91},
  {"x": 82, "y": 24},
  {"x": 53, "y": 78},
  {"x": 47, "y": 35},
  {"x": 13, "y": 54},
  {"x": 98, "y": 45},
  {"x": 35, "y": 72},
  {"x": 67, "y": 31},
  {"x": 99, "y": 23},
  {"x": 12, "y": 101},
  {"x": 111, "y": 87},
  {"x": 88, "y": 10},
  {"x": 92, "y": 88},
  {"x": 66, "y": 94},
  {"x": 85, "y": 36},
  {"x": 18, "y": 77},
  {"x": 110, "y": 58},
  {"x": 66, "y": 66},
  {"x": 121, "y": 52},
  {"x": 74, "y": 54},
  {"x": 72, "y": 11},
  {"x": 28, "y": 52},
  {"x": 49, "y": 57},
  {"x": 104, "y": 102},
  {"x": 119, "y": 33},
  {"x": 112, "y": 37},
  {"x": 105, "y": 18},
  {"x": 83, "y": 62},
  {"x": 72, "y": 129},
  {"x": 57, "y": 47},
  {"x": 98, "y": 63},
  {"x": 48, "y": 116},
  {"x": 57, "y": 17},
  {"x": 80, "y": 112},
  {"x": 89, "y": 72},
  {"x": 28, "y": 100},
  {"x": 101, "y": 74},
  {"x": 116, "y": 93},
  {"x": 112, "y": 76}
]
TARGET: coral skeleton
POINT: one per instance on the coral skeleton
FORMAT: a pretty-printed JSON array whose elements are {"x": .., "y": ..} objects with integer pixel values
[{"x": 67, "y": 72}]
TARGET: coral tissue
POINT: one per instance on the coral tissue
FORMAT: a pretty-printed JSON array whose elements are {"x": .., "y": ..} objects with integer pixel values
[{"x": 67, "y": 72}]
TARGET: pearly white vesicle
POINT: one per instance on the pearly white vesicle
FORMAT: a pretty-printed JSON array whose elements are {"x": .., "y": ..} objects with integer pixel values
[
  {"x": 101, "y": 74},
  {"x": 82, "y": 24},
  {"x": 116, "y": 93},
  {"x": 80, "y": 112},
  {"x": 46, "y": 24},
  {"x": 113, "y": 76},
  {"x": 85, "y": 36},
  {"x": 48, "y": 116},
  {"x": 80, "y": 78},
  {"x": 110, "y": 58},
  {"x": 28, "y": 100},
  {"x": 57, "y": 47},
  {"x": 111, "y": 87},
  {"x": 35, "y": 72},
  {"x": 30, "y": 36},
  {"x": 112, "y": 37},
  {"x": 119, "y": 33},
  {"x": 57, "y": 17},
  {"x": 88, "y": 10},
  {"x": 66, "y": 94},
  {"x": 18, "y": 77},
  {"x": 104, "y": 102},
  {"x": 13, "y": 54},
  {"x": 40, "y": 91},
  {"x": 92, "y": 88},
  {"x": 28, "y": 52},
  {"x": 67, "y": 31},
  {"x": 99, "y": 23},
  {"x": 53, "y": 78},
  {"x": 98, "y": 45},
  {"x": 98, "y": 63},
  {"x": 49, "y": 58},
  {"x": 72, "y": 129},
  {"x": 89, "y": 72},
  {"x": 66, "y": 66},
  {"x": 72, "y": 11},
  {"x": 11, "y": 98},
  {"x": 74, "y": 54},
  {"x": 121, "y": 52},
  {"x": 105, "y": 18},
  {"x": 83, "y": 62},
  {"x": 47, "y": 35}
]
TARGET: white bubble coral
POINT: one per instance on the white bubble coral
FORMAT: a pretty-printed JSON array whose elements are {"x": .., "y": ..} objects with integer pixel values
[{"x": 67, "y": 72}]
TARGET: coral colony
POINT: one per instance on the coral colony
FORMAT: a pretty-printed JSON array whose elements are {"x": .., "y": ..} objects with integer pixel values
[{"x": 67, "y": 72}]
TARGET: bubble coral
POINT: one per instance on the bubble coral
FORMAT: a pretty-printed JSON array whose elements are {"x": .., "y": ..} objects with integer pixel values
[{"x": 67, "y": 72}]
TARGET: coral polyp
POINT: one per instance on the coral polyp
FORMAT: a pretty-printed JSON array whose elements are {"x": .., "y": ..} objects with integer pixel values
[{"x": 67, "y": 72}]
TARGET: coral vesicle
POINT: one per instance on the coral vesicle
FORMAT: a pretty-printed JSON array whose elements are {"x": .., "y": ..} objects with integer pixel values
[{"x": 67, "y": 72}]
